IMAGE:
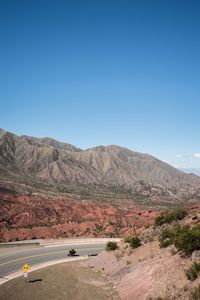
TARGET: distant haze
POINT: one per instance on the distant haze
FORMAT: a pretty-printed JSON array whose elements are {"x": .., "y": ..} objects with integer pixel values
[{"x": 195, "y": 171}]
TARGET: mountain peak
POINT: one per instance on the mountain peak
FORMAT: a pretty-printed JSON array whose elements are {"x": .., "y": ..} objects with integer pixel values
[{"x": 102, "y": 168}]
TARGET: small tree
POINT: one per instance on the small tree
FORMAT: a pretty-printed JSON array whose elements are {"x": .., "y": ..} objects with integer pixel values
[
  {"x": 110, "y": 246},
  {"x": 134, "y": 241}
]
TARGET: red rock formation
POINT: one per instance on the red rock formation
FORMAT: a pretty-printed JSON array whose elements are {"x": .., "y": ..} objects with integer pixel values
[{"x": 28, "y": 217}]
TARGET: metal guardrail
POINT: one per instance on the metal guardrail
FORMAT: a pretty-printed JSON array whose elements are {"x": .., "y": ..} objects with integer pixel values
[
  {"x": 53, "y": 242},
  {"x": 20, "y": 244}
]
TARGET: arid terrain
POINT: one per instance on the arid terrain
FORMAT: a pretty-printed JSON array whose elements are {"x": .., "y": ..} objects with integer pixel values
[
  {"x": 46, "y": 164},
  {"x": 145, "y": 271},
  {"x": 51, "y": 189},
  {"x": 63, "y": 281},
  {"x": 149, "y": 271},
  {"x": 29, "y": 217}
]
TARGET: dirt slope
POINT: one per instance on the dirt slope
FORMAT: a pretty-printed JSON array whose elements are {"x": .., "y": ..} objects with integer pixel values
[{"x": 147, "y": 272}]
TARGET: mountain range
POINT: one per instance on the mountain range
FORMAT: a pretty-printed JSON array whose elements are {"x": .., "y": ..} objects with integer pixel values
[
  {"x": 50, "y": 189},
  {"x": 44, "y": 163}
]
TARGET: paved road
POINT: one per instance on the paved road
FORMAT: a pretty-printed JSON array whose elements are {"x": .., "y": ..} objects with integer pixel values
[{"x": 13, "y": 260}]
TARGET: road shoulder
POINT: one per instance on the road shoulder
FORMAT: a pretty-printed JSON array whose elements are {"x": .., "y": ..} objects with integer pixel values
[{"x": 61, "y": 281}]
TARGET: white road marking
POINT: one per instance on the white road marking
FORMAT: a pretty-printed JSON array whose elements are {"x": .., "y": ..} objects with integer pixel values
[{"x": 44, "y": 254}]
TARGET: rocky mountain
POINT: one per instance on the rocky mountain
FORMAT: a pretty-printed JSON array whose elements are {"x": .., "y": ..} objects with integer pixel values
[
  {"x": 50, "y": 189},
  {"x": 44, "y": 161}
]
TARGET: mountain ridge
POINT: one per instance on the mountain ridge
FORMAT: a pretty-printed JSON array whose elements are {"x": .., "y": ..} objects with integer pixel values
[
  {"x": 53, "y": 162},
  {"x": 51, "y": 189}
]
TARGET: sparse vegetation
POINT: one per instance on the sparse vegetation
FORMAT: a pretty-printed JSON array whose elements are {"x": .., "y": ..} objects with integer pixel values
[
  {"x": 195, "y": 294},
  {"x": 169, "y": 216},
  {"x": 58, "y": 221},
  {"x": 168, "y": 235},
  {"x": 99, "y": 228},
  {"x": 134, "y": 241},
  {"x": 184, "y": 238},
  {"x": 127, "y": 239},
  {"x": 193, "y": 272},
  {"x": 188, "y": 239},
  {"x": 110, "y": 246}
]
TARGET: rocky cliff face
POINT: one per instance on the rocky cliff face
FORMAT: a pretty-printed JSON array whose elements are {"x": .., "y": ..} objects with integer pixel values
[{"x": 104, "y": 168}]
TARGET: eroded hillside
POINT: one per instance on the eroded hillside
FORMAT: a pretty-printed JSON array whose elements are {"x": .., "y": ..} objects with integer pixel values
[
  {"x": 44, "y": 163},
  {"x": 153, "y": 270}
]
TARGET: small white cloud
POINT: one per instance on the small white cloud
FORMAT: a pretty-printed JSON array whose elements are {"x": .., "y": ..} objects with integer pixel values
[
  {"x": 179, "y": 155},
  {"x": 196, "y": 155}
]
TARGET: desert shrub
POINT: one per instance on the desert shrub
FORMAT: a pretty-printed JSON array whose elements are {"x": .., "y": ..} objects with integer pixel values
[
  {"x": 165, "y": 238},
  {"x": 127, "y": 239},
  {"x": 184, "y": 238},
  {"x": 134, "y": 241},
  {"x": 165, "y": 242},
  {"x": 195, "y": 294},
  {"x": 168, "y": 234},
  {"x": 188, "y": 239},
  {"x": 191, "y": 274},
  {"x": 193, "y": 271},
  {"x": 170, "y": 216},
  {"x": 110, "y": 246}
]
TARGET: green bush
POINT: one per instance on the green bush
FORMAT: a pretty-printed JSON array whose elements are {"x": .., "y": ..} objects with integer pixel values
[
  {"x": 184, "y": 238},
  {"x": 193, "y": 271},
  {"x": 191, "y": 274},
  {"x": 170, "y": 216},
  {"x": 165, "y": 242},
  {"x": 188, "y": 239},
  {"x": 134, "y": 241},
  {"x": 168, "y": 234},
  {"x": 110, "y": 246}
]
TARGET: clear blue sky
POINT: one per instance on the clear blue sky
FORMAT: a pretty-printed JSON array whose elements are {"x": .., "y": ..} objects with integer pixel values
[{"x": 104, "y": 72}]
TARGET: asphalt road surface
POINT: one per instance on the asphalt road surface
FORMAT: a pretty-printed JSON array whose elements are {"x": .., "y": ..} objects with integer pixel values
[{"x": 12, "y": 260}]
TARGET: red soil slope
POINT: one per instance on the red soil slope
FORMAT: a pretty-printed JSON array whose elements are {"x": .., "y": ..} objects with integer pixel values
[{"x": 28, "y": 217}]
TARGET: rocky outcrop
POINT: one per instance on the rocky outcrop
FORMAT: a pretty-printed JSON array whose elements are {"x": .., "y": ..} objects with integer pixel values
[
  {"x": 28, "y": 217},
  {"x": 196, "y": 255}
]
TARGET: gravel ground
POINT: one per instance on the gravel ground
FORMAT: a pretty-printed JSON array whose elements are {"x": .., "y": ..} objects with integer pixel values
[{"x": 63, "y": 281}]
